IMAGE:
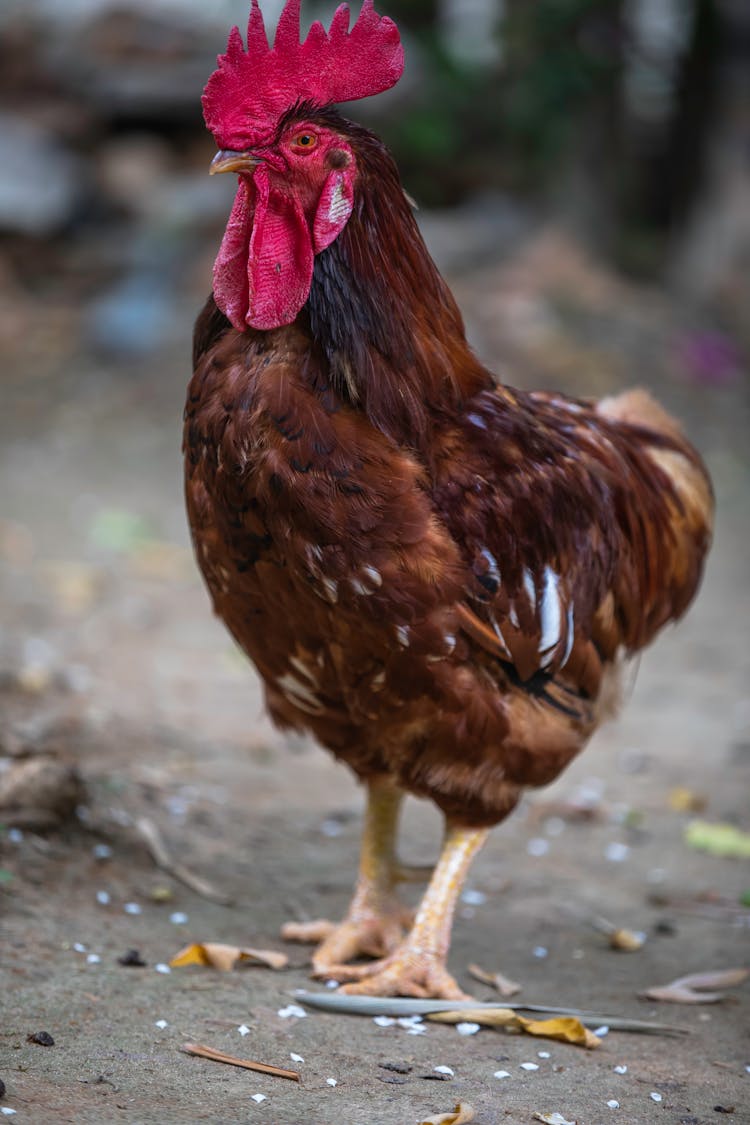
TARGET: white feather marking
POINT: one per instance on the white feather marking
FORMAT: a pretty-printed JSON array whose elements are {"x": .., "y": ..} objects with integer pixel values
[
  {"x": 402, "y": 635},
  {"x": 493, "y": 570},
  {"x": 304, "y": 670},
  {"x": 299, "y": 694},
  {"x": 513, "y": 617},
  {"x": 340, "y": 207},
  {"x": 477, "y": 420},
  {"x": 529, "y": 587},
  {"x": 331, "y": 588},
  {"x": 499, "y": 635},
  {"x": 378, "y": 680},
  {"x": 359, "y": 587},
  {"x": 570, "y": 637},
  {"x": 373, "y": 574},
  {"x": 450, "y": 641},
  {"x": 550, "y": 612}
]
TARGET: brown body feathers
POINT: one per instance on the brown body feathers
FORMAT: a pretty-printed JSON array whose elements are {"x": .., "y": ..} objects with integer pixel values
[{"x": 432, "y": 573}]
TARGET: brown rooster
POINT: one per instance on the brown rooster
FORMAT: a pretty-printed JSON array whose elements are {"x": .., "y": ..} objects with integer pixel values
[{"x": 438, "y": 576}]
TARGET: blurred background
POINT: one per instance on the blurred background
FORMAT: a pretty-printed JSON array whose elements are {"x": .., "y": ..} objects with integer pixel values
[{"x": 582, "y": 169}]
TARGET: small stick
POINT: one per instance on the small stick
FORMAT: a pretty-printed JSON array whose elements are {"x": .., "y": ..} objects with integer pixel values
[
  {"x": 249, "y": 1064},
  {"x": 152, "y": 838}
]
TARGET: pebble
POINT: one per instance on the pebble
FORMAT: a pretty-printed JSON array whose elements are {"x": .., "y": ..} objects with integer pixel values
[
  {"x": 290, "y": 1011},
  {"x": 162, "y": 968},
  {"x": 178, "y": 918},
  {"x": 529, "y": 1066},
  {"x": 444, "y": 1070},
  {"x": 103, "y": 898},
  {"x": 162, "y": 1024},
  {"x": 501, "y": 1074},
  {"x": 243, "y": 1030},
  {"x": 467, "y": 1028},
  {"x": 132, "y": 908},
  {"x": 622, "y": 1069}
]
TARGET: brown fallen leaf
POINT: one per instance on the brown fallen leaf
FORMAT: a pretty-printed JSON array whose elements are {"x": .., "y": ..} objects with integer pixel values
[
  {"x": 565, "y": 1029},
  {"x": 504, "y": 986},
  {"x": 692, "y": 989},
  {"x": 204, "y": 1052},
  {"x": 217, "y": 955},
  {"x": 459, "y": 1116}
]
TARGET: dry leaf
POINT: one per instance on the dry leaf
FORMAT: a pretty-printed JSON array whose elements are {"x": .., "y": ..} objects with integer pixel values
[
  {"x": 226, "y": 957},
  {"x": 566, "y": 1029},
  {"x": 692, "y": 989},
  {"x": 504, "y": 986},
  {"x": 211, "y": 1053},
  {"x": 459, "y": 1116}
]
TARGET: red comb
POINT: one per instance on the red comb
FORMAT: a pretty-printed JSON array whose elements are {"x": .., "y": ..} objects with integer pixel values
[{"x": 252, "y": 88}]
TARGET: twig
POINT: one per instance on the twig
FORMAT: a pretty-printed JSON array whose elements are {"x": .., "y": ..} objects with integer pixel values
[
  {"x": 152, "y": 838},
  {"x": 203, "y": 1052}
]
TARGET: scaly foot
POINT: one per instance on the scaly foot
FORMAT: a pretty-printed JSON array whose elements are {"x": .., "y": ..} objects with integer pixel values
[
  {"x": 363, "y": 933},
  {"x": 406, "y": 972}
]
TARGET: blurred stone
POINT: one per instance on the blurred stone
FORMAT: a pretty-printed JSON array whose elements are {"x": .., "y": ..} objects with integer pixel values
[
  {"x": 40, "y": 182},
  {"x": 130, "y": 170},
  {"x": 133, "y": 317}
]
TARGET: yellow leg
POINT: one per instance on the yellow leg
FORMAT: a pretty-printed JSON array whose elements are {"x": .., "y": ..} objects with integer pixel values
[
  {"x": 374, "y": 923},
  {"x": 417, "y": 966}
]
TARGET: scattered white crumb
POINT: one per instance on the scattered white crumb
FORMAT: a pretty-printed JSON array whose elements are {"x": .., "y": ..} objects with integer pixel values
[
  {"x": 162, "y": 968},
  {"x": 537, "y": 846},
  {"x": 747, "y": 1068},
  {"x": 161, "y": 1023},
  {"x": 79, "y": 947},
  {"x": 444, "y": 1070},
  {"x": 178, "y": 918},
  {"x": 101, "y": 851},
  {"x": 418, "y": 1029},
  {"x": 258, "y": 1098},
  {"x": 7, "y": 1110},
  {"x": 103, "y": 898},
  {"x": 93, "y": 959},
  {"x": 540, "y": 951},
  {"x": 473, "y": 898},
  {"x": 654, "y": 1096},
  {"x": 132, "y": 908},
  {"x": 466, "y": 1027},
  {"x": 408, "y": 1021},
  {"x": 616, "y": 852},
  {"x": 330, "y": 1081},
  {"x": 243, "y": 1029},
  {"x": 383, "y": 1021},
  {"x": 331, "y": 828},
  {"x": 602, "y": 1031},
  {"x": 501, "y": 1074},
  {"x": 296, "y": 1058},
  {"x": 543, "y": 1055},
  {"x": 290, "y": 1011},
  {"x": 622, "y": 1069},
  {"x": 332, "y": 983},
  {"x": 613, "y": 1104},
  {"x": 529, "y": 1066}
]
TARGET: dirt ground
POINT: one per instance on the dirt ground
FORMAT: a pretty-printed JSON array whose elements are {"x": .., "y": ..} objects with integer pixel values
[{"x": 110, "y": 659}]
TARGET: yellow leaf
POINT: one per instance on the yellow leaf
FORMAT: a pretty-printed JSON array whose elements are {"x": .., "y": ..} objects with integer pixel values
[
  {"x": 567, "y": 1029},
  {"x": 459, "y": 1116},
  {"x": 217, "y": 955}
]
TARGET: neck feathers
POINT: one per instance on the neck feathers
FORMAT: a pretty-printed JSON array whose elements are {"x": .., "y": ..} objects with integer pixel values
[{"x": 385, "y": 319}]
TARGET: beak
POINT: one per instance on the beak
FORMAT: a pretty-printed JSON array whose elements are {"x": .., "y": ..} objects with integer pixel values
[{"x": 228, "y": 161}]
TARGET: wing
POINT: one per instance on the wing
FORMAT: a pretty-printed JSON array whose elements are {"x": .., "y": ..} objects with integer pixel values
[{"x": 582, "y": 532}]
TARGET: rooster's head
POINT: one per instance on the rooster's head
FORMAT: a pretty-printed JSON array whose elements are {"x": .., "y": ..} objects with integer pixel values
[{"x": 297, "y": 171}]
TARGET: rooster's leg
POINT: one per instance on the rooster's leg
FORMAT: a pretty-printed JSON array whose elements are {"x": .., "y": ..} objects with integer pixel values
[
  {"x": 375, "y": 921},
  {"x": 417, "y": 966}
]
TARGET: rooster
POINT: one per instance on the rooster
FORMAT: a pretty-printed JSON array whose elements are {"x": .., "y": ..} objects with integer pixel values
[{"x": 438, "y": 576}]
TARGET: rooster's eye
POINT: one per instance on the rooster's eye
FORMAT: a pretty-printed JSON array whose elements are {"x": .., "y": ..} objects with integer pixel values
[{"x": 304, "y": 142}]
